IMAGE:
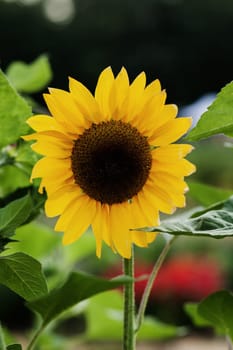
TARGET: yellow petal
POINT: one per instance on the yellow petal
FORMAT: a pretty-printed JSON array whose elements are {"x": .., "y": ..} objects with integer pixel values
[
  {"x": 171, "y": 131},
  {"x": 118, "y": 93},
  {"x": 168, "y": 112},
  {"x": 134, "y": 98},
  {"x": 51, "y": 168},
  {"x": 49, "y": 148},
  {"x": 56, "y": 203},
  {"x": 76, "y": 219},
  {"x": 147, "y": 208},
  {"x": 43, "y": 123},
  {"x": 53, "y": 184},
  {"x": 181, "y": 167},
  {"x": 143, "y": 215},
  {"x": 173, "y": 188},
  {"x": 119, "y": 223},
  {"x": 29, "y": 137},
  {"x": 139, "y": 220},
  {"x": 149, "y": 117},
  {"x": 159, "y": 198},
  {"x": 152, "y": 89},
  {"x": 173, "y": 183},
  {"x": 52, "y": 136},
  {"x": 56, "y": 113},
  {"x": 151, "y": 236},
  {"x": 102, "y": 92},
  {"x": 85, "y": 101},
  {"x": 66, "y": 104},
  {"x": 69, "y": 210},
  {"x": 139, "y": 238},
  {"x": 187, "y": 167},
  {"x": 159, "y": 117},
  {"x": 98, "y": 226},
  {"x": 70, "y": 206},
  {"x": 107, "y": 236},
  {"x": 56, "y": 135},
  {"x": 171, "y": 153},
  {"x": 143, "y": 239}
]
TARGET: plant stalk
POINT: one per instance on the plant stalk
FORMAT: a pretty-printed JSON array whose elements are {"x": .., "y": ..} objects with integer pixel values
[
  {"x": 129, "y": 342},
  {"x": 35, "y": 337},
  {"x": 147, "y": 291}
]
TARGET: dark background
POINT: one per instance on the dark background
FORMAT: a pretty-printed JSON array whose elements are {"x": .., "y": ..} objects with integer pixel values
[{"x": 186, "y": 44}]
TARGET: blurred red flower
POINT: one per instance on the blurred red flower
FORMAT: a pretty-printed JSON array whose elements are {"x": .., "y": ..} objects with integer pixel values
[
  {"x": 188, "y": 278},
  {"x": 181, "y": 278}
]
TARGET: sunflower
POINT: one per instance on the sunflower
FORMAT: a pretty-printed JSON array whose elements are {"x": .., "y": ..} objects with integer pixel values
[{"x": 109, "y": 159}]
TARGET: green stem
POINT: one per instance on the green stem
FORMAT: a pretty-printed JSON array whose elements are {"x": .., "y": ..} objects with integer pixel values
[
  {"x": 146, "y": 293},
  {"x": 35, "y": 337},
  {"x": 129, "y": 307}
]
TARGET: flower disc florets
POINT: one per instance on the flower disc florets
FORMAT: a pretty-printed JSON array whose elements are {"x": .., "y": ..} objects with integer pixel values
[{"x": 111, "y": 161}]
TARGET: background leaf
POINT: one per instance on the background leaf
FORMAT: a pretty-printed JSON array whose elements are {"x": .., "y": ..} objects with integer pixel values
[
  {"x": 218, "y": 119},
  {"x": 14, "y": 214},
  {"x": 14, "y": 347},
  {"x": 153, "y": 329},
  {"x": 45, "y": 240},
  {"x": 30, "y": 78},
  {"x": 108, "y": 307},
  {"x": 217, "y": 308},
  {"x": 191, "y": 310},
  {"x": 206, "y": 194},
  {"x": 78, "y": 287},
  {"x": 22, "y": 274},
  {"x": 7, "y": 185},
  {"x": 2, "y": 341},
  {"x": 213, "y": 223},
  {"x": 13, "y": 113}
]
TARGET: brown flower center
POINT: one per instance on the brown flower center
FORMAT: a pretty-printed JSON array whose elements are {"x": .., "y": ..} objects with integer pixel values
[{"x": 111, "y": 161}]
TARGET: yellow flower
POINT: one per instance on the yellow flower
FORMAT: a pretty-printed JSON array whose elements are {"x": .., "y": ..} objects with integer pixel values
[{"x": 109, "y": 159}]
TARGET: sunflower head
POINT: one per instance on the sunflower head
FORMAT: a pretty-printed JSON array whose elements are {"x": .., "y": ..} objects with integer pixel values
[{"x": 109, "y": 159}]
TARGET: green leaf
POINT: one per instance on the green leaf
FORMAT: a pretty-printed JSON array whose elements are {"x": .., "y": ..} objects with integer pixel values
[
  {"x": 3, "y": 242},
  {"x": 22, "y": 274},
  {"x": 217, "y": 308},
  {"x": 213, "y": 223},
  {"x": 2, "y": 340},
  {"x": 54, "y": 341},
  {"x": 79, "y": 250},
  {"x": 38, "y": 201},
  {"x": 191, "y": 310},
  {"x": 108, "y": 307},
  {"x": 14, "y": 347},
  {"x": 13, "y": 113},
  {"x": 218, "y": 119},
  {"x": 207, "y": 195},
  {"x": 9, "y": 338},
  {"x": 44, "y": 240},
  {"x": 25, "y": 155},
  {"x": 14, "y": 214},
  {"x": 154, "y": 329},
  {"x": 30, "y": 78},
  {"x": 7, "y": 184},
  {"x": 78, "y": 287}
]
